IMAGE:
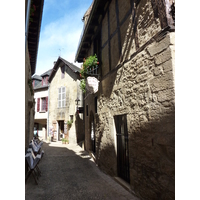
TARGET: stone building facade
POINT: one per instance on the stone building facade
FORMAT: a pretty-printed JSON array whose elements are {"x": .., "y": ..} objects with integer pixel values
[
  {"x": 130, "y": 121},
  {"x": 41, "y": 93},
  {"x": 63, "y": 91},
  {"x": 29, "y": 103}
]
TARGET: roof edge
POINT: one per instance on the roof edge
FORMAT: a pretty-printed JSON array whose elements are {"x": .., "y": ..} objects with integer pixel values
[{"x": 86, "y": 28}]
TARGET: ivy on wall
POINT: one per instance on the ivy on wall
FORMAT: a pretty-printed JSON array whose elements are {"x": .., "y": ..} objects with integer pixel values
[{"x": 30, "y": 84}]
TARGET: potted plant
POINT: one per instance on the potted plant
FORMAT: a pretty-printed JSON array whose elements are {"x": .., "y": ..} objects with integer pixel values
[
  {"x": 89, "y": 64},
  {"x": 64, "y": 141}
]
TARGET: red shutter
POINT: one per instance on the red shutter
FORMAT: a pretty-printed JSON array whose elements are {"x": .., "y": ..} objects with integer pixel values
[
  {"x": 46, "y": 103},
  {"x": 47, "y": 81},
  {"x": 38, "y": 104}
]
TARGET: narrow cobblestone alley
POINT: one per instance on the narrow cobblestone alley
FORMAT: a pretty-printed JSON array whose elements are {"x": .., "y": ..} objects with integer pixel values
[{"x": 68, "y": 172}]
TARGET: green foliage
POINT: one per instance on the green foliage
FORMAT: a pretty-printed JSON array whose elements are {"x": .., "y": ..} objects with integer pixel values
[
  {"x": 30, "y": 84},
  {"x": 69, "y": 124},
  {"x": 82, "y": 85},
  {"x": 65, "y": 140},
  {"x": 89, "y": 63}
]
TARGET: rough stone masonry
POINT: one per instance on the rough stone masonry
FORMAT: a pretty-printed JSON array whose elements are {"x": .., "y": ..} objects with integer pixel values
[
  {"x": 137, "y": 54},
  {"x": 144, "y": 88}
]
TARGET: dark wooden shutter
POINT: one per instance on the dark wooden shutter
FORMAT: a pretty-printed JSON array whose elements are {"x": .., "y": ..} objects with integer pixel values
[
  {"x": 63, "y": 72},
  {"x": 38, "y": 104},
  {"x": 46, "y": 103},
  {"x": 59, "y": 97},
  {"x": 63, "y": 97}
]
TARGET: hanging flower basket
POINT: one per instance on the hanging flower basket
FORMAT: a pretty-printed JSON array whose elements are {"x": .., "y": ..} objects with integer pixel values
[{"x": 89, "y": 64}]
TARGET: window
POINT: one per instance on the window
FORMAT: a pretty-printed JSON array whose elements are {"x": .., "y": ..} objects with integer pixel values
[
  {"x": 43, "y": 100},
  {"x": 45, "y": 80},
  {"x": 95, "y": 104},
  {"x": 42, "y": 104},
  {"x": 86, "y": 110},
  {"x": 61, "y": 97},
  {"x": 63, "y": 72}
]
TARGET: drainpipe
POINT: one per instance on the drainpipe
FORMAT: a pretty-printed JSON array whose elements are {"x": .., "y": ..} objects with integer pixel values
[
  {"x": 27, "y": 22},
  {"x": 48, "y": 113}
]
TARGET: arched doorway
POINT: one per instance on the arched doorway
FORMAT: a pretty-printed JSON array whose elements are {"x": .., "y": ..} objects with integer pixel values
[{"x": 92, "y": 133}]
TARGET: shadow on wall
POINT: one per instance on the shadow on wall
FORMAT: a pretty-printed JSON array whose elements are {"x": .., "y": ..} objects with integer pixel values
[
  {"x": 79, "y": 126},
  {"x": 128, "y": 47},
  {"x": 106, "y": 161},
  {"x": 152, "y": 156}
]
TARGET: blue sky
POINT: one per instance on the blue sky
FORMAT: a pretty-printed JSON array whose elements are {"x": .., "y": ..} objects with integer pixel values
[{"x": 60, "y": 31}]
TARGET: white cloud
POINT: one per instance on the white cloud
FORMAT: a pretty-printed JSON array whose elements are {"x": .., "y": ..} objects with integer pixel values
[{"x": 61, "y": 34}]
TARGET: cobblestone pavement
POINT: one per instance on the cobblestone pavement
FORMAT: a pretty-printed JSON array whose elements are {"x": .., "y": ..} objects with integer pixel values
[{"x": 68, "y": 172}]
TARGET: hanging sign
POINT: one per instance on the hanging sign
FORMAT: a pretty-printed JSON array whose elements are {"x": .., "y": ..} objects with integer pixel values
[{"x": 92, "y": 84}]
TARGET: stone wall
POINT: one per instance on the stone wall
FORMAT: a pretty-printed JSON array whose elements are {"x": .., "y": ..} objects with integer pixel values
[
  {"x": 29, "y": 105},
  {"x": 55, "y": 113},
  {"x": 140, "y": 84},
  {"x": 144, "y": 90}
]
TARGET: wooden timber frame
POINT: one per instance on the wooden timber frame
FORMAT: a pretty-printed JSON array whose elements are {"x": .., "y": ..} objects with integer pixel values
[{"x": 161, "y": 9}]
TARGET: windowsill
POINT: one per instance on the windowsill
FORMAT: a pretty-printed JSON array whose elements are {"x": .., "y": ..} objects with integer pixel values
[{"x": 42, "y": 111}]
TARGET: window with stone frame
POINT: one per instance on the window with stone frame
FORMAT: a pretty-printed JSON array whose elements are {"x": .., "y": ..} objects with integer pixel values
[{"x": 61, "y": 97}]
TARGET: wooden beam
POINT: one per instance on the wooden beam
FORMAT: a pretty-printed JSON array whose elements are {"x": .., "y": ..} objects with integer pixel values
[
  {"x": 118, "y": 27},
  {"x": 135, "y": 27},
  {"x": 109, "y": 49}
]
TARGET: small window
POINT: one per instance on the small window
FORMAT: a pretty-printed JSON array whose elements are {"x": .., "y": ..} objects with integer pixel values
[
  {"x": 86, "y": 110},
  {"x": 95, "y": 104},
  {"x": 61, "y": 97},
  {"x": 63, "y": 72},
  {"x": 44, "y": 80},
  {"x": 43, "y": 108}
]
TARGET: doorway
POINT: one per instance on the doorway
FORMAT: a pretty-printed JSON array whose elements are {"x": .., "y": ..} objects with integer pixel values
[
  {"x": 60, "y": 129},
  {"x": 122, "y": 147}
]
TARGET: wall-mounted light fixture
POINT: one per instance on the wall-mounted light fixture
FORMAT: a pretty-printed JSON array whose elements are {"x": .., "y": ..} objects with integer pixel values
[{"x": 77, "y": 102}]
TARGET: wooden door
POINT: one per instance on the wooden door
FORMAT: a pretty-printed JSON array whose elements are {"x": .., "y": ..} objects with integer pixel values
[{"x": 122, "y": 147}]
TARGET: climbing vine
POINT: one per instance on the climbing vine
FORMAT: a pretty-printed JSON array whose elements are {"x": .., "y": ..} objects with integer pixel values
[{"x": 30, "y": 84}]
